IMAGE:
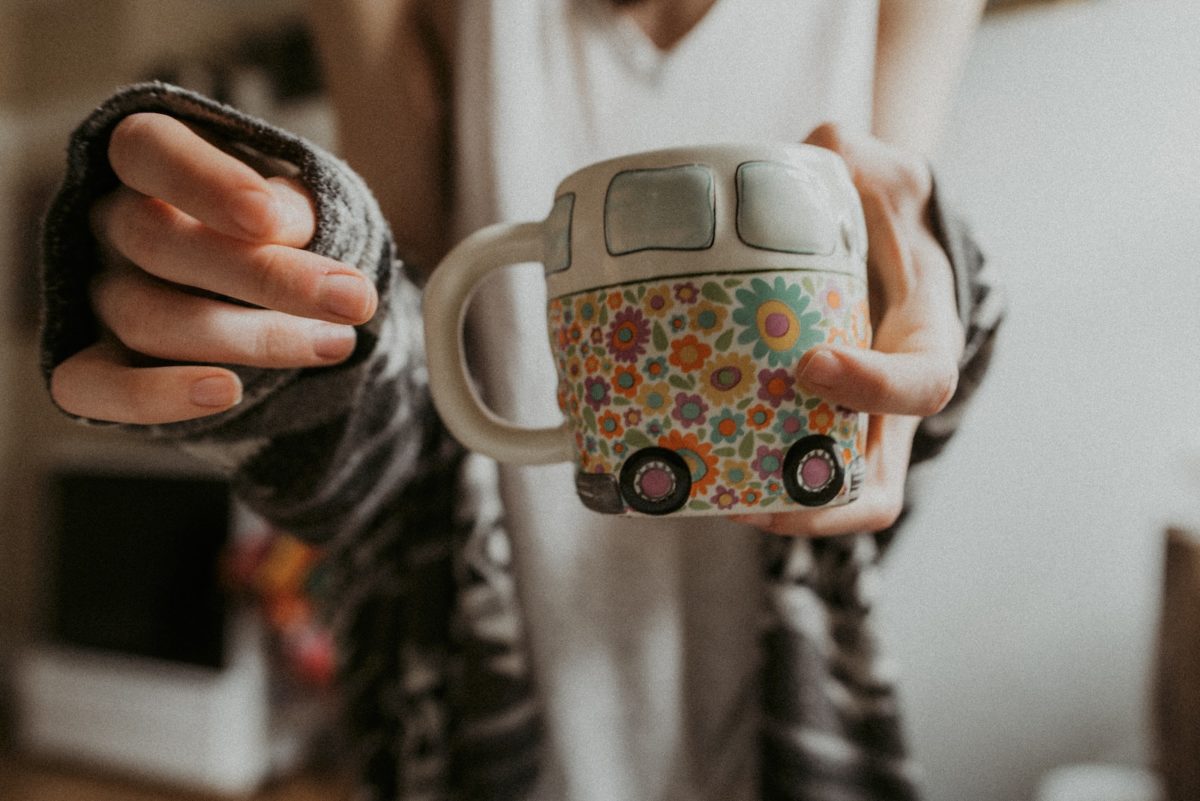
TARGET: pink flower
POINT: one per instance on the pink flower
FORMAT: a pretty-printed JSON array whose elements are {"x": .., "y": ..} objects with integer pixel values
[
  {"x": 768, "y": 463},
  {"x": 628, "y": 334},
  {"x": 595, "y": 392},
  {"x": 776, "y": 386},
  {"x": 724, "y": 497}
]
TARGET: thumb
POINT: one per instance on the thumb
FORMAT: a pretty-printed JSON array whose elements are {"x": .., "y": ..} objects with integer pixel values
[{"x": 915, "y": 383}]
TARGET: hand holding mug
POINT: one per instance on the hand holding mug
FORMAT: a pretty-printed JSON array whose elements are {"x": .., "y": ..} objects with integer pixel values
[
  {"x": 685, "y": 286},
  {"x": 911, "y": 371}
]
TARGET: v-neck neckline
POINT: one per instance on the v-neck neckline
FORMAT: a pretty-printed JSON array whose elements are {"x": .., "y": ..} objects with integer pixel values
[{"x": 643, "y": 53}]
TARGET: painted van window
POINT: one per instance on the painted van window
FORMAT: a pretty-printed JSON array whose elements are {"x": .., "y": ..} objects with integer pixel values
[
  {"x": 557, "y": 245},
  {"x": 660, "y": 209},
  {"x": 782, "y": 208}
]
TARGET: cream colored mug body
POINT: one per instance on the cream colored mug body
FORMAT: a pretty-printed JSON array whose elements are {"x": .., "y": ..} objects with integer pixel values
[{"x": 683, "y": 287}]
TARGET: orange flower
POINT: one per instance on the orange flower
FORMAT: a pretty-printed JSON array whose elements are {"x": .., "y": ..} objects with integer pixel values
[
  {"x": 838, "y": 335},
  {"x": 751, "y": 497},
  {"x": 821, "y": 419},
  {"x": 615, "y": 300},
  {"x": 610, "y": 425},
  {"x": 656, "y": 367},
  {"x": 626, "y": 381},
  {"x": 592, "y": 364},
  {"x": 689, "y": 353},
  {"x": 699, "y": 458},
  {"x": 860, "y": 325},
  {"x": 759, "y": 417}
]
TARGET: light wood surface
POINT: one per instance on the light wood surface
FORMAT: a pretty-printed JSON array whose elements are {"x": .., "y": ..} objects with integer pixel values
[{"x": 23, "y": 779}]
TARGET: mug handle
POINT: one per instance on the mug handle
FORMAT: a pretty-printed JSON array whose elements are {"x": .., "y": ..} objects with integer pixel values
[{"x": 445, "y": 304}]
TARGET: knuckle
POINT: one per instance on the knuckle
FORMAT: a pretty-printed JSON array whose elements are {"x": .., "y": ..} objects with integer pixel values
[
  {"x": 884, "y": 515},
  {"x": 890, "y": 179},
  {"x": 140, "y": 314},
  {"x": 877, "y": 387},
  {"x": 100, "y": 289},
  {"x": 124, "y": 309},
  {"x": 909, "y": 182},
  {"x": 830, "y": 136},
  {"x": 939, "y": 389},
  {"x": 108, "y": 291},
  {"x": 276, "y": 344},
  {"x": 276, "y": 283},
  {"x": 942, "y": 387},
  {"x": 139, "y": 228},
  {"x": 912, "y": 175}
]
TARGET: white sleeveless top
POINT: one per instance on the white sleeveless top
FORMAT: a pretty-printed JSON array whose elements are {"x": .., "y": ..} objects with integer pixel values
[{"x": 644, "y": 633}]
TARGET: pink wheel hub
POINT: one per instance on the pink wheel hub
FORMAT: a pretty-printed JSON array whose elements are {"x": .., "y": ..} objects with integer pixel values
[
  {"x": 655, "y": 482},
  {"x": 816, "y": 471}
]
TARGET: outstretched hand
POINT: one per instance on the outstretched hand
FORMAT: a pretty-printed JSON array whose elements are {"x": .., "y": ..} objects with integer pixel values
[
  {"x": 911, "y": 370},
  {"x": 203, "y": 265}
]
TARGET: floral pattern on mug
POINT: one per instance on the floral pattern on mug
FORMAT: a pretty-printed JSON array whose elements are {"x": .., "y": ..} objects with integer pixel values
[{"x": 705, "y": 367}]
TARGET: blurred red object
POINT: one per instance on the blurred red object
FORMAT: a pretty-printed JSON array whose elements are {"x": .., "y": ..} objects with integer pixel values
[{"x": 283, "y": 575}]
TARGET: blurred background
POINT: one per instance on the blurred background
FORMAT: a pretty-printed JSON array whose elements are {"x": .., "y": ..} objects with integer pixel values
[{"x": 1024, "y": 607}]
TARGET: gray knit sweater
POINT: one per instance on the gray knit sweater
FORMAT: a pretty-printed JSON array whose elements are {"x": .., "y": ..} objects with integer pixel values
[{"x": 439, "y": 698}]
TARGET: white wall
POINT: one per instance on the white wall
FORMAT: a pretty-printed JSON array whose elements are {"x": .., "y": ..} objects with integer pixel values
[{"x": 1022, "y": 604}]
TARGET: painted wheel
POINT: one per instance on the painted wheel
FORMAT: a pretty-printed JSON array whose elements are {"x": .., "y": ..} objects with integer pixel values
[
  {"x": 812, "y": 472},
  {"x": 655, "y": 481}
]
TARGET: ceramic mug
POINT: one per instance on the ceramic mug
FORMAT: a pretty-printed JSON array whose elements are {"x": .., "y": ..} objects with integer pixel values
[{"x": 683, "y": 287}]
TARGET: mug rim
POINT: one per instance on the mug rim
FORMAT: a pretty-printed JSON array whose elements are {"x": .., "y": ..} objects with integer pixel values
[{"x": 726, "y": 152}]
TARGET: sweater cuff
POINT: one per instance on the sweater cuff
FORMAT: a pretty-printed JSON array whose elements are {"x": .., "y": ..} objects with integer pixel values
[
  {"x": 981, "y": 307},
  {"x": 350, "y": 227}
]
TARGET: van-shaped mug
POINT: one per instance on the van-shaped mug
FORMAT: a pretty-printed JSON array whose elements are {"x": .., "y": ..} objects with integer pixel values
[{"x": 683, "y": 288}]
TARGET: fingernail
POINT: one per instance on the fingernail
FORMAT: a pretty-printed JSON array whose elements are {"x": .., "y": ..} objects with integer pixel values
[
  {"x": 216, "y": 391},
  {"x": 346, "y": 296},
  {"x": 333, "y": 342},
  {"x": 296, "y": 216},
  {"x": 821, "y": 369}
]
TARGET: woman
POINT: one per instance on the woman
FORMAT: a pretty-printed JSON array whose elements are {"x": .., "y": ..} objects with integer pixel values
[{"x": 670, "y": 662}]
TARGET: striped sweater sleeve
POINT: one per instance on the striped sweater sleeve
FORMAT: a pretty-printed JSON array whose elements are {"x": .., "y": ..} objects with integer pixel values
[
  {"x": 981, "y": 307},
  {"x": 317, "y": 451}
]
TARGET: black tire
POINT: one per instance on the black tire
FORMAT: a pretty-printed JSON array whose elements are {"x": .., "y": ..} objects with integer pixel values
[
  {"x": 668, "y": 468},
  {"x": 829, "y": 475}
]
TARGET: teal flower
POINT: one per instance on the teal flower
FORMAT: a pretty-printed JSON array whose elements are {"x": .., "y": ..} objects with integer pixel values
[
  {"x": 776, "y": 320},
  {"x": 728, "y": 426}
]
